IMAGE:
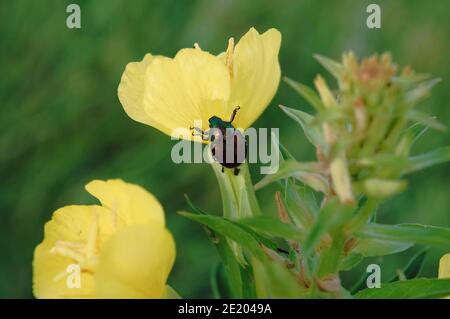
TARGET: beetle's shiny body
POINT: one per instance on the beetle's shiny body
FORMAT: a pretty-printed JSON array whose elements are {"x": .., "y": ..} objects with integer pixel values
[{"x": 225, "y": 139}]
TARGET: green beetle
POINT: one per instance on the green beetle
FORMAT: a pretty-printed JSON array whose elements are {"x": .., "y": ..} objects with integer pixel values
[{"x": 225, "y": 139}]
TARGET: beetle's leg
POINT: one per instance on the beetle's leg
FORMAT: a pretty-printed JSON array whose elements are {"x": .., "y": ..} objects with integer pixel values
[
  {"x": 196, "y": 129},
  {"x": 233, "y": 115},
  {"x": 223, "y": 169},
  {"x": 204, "y": 135},
  {"x": 236, "y": 171}
]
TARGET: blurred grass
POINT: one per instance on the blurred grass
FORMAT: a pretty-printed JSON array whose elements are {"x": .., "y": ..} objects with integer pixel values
[{"x": 61, "y": 124}]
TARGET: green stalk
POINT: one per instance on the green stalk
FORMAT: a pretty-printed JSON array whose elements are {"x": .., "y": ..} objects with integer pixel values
[
  {"x": 238, "y": 195},
  {"x": 238, "y": 198}
]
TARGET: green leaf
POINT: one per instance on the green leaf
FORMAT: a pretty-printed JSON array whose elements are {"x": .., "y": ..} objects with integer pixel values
[
  {"x": 309, "y": 198},
  {"x": 273, "y": 227},
  {"x": 285, "y": 154},
  {"x": 230, "y": 230},
  {"x": 248, "y": 283},
  {"x": 332, "y": 215},
  {"x": 425, "y": 120},
  {"x": 273, "y": 280},
  {"x": 231, "y": 266},
  {"x": 419, "y": 162},
  {"x": 408, "y": 289},
  {"x": 259, "y": 236},
  {"x": 350, "y": 261},
  {"x": 416, "y": 130},
  {"x": 335, "y": 68},
  {"x": 421, "y": 91},
  {"x": 414, "y": 266},
  {"x": 307, "y": 173},
  {"x": 378, "y": 247},
  {"x": 300, "y": 203},
  {"x": 408, "y": 138},
  {"x": 214, "y": 280},
  {"x": 408, "y": 233},
  {"x": 283, "y": 151},
  {"x": 306, "y": 92},
  {"x": 193, "y": 207},
  {"x": 312, "y": 133}
]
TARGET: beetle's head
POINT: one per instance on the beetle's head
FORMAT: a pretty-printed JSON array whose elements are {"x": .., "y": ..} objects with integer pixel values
[{"x": 215, "y": 121}]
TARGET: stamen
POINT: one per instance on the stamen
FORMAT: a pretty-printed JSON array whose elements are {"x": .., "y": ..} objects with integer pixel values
[
  {"x": 114, "y": 215},
  {"x": 60, "y": 276},
  {"x": 83, "y": 254},
  {"x": 92, "y": 236},
  {"x": 70, "y": 244},
  {"x": 67, "y": 252},
  {"x": 229, "y": 56}
]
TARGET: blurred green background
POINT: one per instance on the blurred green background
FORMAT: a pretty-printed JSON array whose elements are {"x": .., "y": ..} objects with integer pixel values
[{"x": 61, "y": 123}]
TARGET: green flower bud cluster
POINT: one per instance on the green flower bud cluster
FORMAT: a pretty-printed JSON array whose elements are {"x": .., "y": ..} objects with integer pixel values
[{"x": 363, "y": 131}]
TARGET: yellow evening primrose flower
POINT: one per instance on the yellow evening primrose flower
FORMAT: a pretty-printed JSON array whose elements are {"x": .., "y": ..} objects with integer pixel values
[
  {"x": 173, "y": 93},
  {"x": 121, "y": 249},
  {"x": 444, "y": 268}
]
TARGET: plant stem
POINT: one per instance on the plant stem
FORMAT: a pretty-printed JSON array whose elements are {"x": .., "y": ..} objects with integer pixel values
[
  {"x": 238, "y": 199},
  {"x": 238, "y": 195}
]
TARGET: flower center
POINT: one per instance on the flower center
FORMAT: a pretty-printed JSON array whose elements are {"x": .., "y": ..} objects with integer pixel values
[{"x": 84, "y": 253}]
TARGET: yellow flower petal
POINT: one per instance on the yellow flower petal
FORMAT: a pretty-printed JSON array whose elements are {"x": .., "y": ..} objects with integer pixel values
[
  {"x": 132, "y": 203},
  {"x": 444, "y": 266},
  {"x": 172, "y": 94},
  {"x": 193, "y": 86},
  {"x": 46, "y": 282},
  {"x": 256, "y": 75},
  {"x": 131, "y": 89},
  {"x": 135, "y": 263},
  {"x": 71, "y": 226},
  {"x": 171, "y": 293},
  {"x": 78, "y": 237}
]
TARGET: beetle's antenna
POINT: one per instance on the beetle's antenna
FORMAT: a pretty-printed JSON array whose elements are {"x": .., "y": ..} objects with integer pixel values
[{"x": 233, "y": 115}]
